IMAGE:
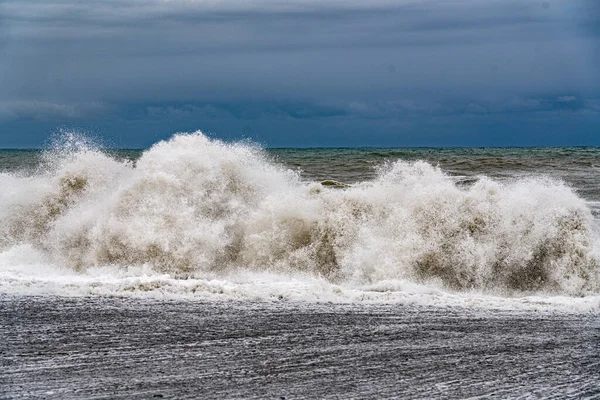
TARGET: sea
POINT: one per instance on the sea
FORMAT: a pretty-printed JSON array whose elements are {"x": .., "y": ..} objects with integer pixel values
[{"x": 206, "y": 269}]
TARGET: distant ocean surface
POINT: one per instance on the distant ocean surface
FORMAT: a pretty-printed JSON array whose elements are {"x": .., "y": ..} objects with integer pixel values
[{"x": 203, "y": 269}]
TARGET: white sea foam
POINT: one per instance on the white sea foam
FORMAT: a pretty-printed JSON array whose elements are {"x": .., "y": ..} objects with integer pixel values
[{"x": 196, "y": 217}]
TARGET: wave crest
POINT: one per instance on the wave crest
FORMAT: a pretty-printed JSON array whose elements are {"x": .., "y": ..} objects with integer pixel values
[{"x": 193, "y": 206}]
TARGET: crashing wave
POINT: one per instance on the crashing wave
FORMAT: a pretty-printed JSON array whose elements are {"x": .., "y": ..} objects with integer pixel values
[{"x": 193, "y": 207}]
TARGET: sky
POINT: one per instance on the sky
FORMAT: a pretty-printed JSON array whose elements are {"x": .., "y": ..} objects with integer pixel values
[{"x": 302, "y": 73}]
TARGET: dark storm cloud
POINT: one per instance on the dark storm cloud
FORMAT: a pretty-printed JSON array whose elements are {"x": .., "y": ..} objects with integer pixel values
[
  {"x": 132, "y": 65},
  {"x": 245, "y": 111}
]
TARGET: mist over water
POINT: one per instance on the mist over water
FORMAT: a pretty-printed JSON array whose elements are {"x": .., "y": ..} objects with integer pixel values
[{"x": 197, "y": 217}]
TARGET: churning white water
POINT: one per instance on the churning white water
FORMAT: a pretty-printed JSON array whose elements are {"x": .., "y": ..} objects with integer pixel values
[{"x": 197, "y": 217}]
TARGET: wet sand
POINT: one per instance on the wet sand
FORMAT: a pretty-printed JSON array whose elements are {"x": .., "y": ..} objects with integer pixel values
[{"x": 73, "y": 348}]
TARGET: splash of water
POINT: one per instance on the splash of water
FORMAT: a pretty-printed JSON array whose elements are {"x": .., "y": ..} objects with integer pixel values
[{"x": 195, "y": 208}]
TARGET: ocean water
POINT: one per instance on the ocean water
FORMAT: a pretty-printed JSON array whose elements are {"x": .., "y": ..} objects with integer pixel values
[
  {"x": 339, "y": 273},
  {"x": 193, "y": 217}
]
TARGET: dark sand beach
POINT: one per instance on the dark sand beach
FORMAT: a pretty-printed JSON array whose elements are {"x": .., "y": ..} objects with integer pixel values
[{"x": 70, "y": 348}]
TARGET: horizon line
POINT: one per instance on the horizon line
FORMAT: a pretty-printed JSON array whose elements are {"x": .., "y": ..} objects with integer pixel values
[{"x": 336, "y": 147}]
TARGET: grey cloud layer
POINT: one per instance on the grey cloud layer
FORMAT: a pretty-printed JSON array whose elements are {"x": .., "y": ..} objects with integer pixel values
[{"x": 300, "y": 59}]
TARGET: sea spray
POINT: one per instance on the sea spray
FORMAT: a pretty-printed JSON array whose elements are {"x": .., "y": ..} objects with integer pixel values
[{"x": 196, "y": 208}]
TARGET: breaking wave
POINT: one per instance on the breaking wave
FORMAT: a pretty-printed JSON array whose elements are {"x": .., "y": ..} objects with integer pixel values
[{"x": 193, "y": 211}]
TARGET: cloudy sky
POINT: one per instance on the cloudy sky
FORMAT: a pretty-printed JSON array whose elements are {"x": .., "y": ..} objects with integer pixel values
[{"x": 302, "y": 73}]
